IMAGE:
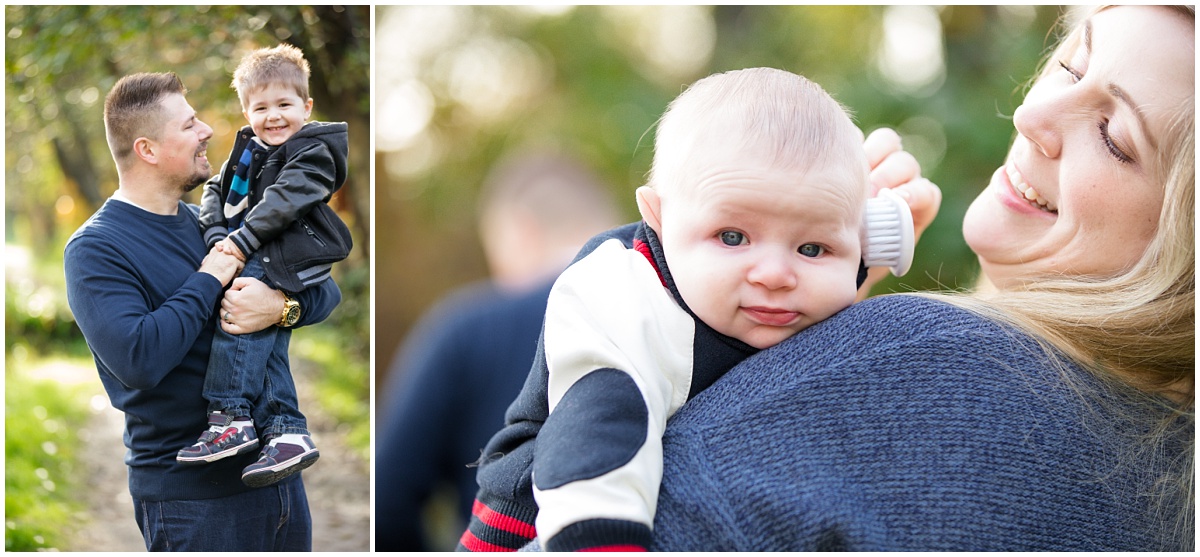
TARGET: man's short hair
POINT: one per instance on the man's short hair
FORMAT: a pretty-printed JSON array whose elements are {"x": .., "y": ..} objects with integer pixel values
[
  {"x": 283, "y": 65},
  {"x": 558, "y": 190},
  {"x": 133, "y": 109}
]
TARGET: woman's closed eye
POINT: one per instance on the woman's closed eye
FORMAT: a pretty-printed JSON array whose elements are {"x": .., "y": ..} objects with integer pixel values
[
  {"x": 1105, "y": 137},
  {"x": 1076, "y": 75}
]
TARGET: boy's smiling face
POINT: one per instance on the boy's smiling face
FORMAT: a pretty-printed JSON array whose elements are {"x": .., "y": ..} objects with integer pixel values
[
  {"x": 760, "y": 252},
  {"x": 276, "y": 112}
]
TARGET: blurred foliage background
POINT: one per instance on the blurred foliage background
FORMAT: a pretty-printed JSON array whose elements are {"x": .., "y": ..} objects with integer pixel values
[
  {"x": 458, "y": 87},
  {"x": 60, "y": 62}
]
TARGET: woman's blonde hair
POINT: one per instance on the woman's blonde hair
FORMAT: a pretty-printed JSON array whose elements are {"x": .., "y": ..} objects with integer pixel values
[{"x": 1136, "y": 329}]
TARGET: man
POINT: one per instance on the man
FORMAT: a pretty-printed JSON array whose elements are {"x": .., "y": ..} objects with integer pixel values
[
  {"x": 468, "y": 356},
  {"x": 146, "y": 296}
]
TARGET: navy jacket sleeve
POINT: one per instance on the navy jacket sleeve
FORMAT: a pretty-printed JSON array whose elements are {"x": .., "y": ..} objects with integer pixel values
[{"x": 317, "y": 302}]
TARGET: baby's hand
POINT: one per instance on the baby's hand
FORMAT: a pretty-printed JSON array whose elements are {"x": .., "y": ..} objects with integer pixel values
[
  {"x": 227, "y": 247},
  {"x": 894, "y": 168}
]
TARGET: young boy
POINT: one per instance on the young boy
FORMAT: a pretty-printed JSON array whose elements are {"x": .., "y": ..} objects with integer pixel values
[
  {"x": 750, "y": 233},
  {"x": 267, "y": 207}
]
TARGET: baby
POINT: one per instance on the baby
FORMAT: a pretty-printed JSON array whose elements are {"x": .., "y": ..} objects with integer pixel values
[
  {"x": 269, "y": 205},
  {"x": 751, "y": 231}
]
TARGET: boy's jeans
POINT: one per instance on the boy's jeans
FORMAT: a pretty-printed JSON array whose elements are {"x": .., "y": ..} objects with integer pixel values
[
  {"x": 251, "y": 371},
  {"x": 273, "y": 518}
]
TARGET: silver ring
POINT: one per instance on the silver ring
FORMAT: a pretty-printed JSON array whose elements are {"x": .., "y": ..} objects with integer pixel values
[{"x": 226, "y": 318}]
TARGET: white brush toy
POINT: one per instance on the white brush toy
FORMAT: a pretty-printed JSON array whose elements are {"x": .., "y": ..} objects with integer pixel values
[{"x": 888, "y": 236}]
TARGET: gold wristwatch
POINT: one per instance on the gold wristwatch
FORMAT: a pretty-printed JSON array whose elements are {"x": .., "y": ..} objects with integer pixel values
[{"x": 291, "y": 312}]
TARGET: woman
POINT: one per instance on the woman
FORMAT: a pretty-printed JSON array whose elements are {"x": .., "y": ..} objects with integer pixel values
[{"x": 1051, "y": 408}]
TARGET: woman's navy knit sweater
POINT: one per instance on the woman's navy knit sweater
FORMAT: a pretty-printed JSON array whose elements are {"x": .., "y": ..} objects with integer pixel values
[{"x": 904, "y": 423}]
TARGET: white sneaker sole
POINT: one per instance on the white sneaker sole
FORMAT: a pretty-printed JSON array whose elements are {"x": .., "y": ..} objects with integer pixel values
[
  {"x": 274, "y": 474},
  {"x": 243, "y": 448}
]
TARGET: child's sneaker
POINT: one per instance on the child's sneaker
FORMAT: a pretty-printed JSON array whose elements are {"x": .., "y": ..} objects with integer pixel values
[
  {"x": 226, "y": 436},
  {"x": 283, "y": 456}
]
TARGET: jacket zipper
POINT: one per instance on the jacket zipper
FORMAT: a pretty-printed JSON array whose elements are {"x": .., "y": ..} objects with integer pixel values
[{"x": 310, "y": 232}]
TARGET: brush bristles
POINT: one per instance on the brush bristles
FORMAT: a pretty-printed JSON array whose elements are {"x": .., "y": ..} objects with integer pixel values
[{"x": 887, "y": 233}]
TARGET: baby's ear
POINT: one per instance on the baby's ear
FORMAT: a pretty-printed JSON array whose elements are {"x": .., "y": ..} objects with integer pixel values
[{"x": 650, "y": 206}]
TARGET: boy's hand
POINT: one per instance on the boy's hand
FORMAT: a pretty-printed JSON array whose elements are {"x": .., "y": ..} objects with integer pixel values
[
  {"x": 227, "y": 246},
  {"x": 220, "y": 265},
  {"x": 893, "y": 167}
]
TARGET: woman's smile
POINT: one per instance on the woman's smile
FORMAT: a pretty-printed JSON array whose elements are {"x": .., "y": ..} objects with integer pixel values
[{"x": 1025, "y": 190}]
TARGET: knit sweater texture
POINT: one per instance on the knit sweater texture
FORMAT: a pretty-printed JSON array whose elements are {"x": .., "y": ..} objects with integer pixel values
[
  {"x": 904, "y": 423},
  {"x": 148, "y": 317}
]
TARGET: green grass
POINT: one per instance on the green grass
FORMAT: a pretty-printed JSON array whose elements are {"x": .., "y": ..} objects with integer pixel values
[
  {"x": 343, "y": 388},
  {"x": 41, "y": 419}
]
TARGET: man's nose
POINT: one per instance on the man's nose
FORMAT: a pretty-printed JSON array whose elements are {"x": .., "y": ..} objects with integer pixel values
[{"x": 205, "y": 130}]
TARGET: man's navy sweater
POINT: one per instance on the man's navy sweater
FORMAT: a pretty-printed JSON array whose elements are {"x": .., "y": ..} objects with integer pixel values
[
  {"x": 904, "y": 423},
  {"x": 148, "y": 317},
  {"x": 458, "y": 370}
]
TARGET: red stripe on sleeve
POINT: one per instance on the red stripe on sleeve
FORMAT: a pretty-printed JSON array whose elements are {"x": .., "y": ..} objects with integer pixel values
[
  {"x": 474, "y": 544},
  {"x": 503, "y": 522}
]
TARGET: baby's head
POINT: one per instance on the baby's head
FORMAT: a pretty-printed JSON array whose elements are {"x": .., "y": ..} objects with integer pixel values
[
  {"x": 272, "y": 85},
  {"x": 757, "y": 192}
]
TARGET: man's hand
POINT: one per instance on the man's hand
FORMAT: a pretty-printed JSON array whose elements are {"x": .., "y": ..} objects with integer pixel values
[
  {"x": 249, "y": 306},
  {"x": 893, "y": 167},
  {"x": 220, "y": 265}
]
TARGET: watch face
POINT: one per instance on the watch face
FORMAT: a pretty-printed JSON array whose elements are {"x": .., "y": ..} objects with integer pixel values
[{"x": 291, "y": 313}]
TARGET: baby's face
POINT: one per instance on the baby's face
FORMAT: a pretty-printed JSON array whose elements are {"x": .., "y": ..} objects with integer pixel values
[
  {"x": 760, "y": 253},
  {"x": 276, "y": 112}
]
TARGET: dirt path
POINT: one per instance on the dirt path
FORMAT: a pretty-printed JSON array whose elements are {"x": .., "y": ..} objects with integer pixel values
[{"x": 338, "y": 485}]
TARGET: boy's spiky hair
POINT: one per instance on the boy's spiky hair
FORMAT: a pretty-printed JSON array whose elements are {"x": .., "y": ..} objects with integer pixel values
[{"x": 283, "y": 64}]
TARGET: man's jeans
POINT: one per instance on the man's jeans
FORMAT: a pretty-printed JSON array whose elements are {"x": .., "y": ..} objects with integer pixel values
[
  {"x": 273, "y": 518},
  {"x": 252, "y": 371}
]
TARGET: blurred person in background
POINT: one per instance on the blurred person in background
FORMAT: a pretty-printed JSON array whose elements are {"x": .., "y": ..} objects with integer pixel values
[{"x": 468, "y": 356}]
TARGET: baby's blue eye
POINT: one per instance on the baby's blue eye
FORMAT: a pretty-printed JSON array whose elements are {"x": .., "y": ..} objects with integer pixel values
[
  {"x": 811, "y": 250},
  {"x": 731, "y": 238}
]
